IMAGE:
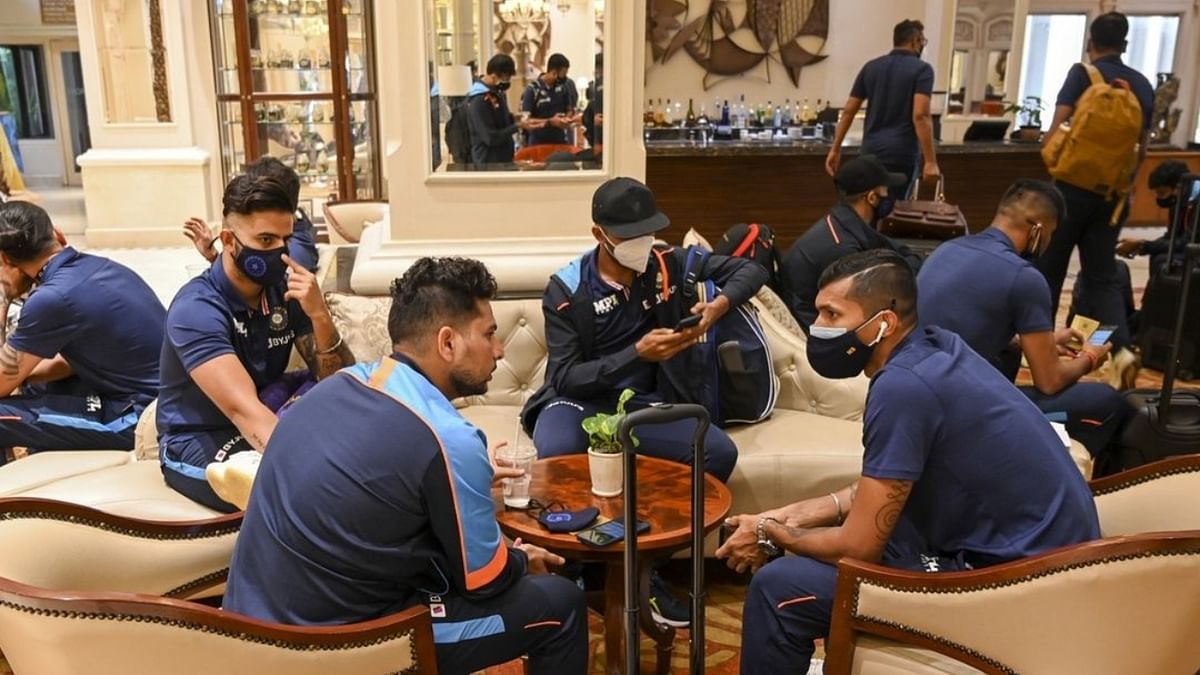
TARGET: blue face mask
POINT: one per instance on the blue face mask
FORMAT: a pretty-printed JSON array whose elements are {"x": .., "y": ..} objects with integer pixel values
[
  {"x": 838, "y": 353},
  {"x": 262, "y": 267}
]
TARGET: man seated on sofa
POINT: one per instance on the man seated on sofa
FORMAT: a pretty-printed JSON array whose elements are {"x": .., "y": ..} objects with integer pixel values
[
  {"x": 89, "y": 322},
  {"x": 392, "y": 506},
  {"x": 960, "y": 470},
  {"x": 230, "y": 332},
  {"x": 602, "y": 337},
  {"x": 302, "y": 247},
  {"x": 985, "y": 288},
  {"x": 862, "y": 184}
]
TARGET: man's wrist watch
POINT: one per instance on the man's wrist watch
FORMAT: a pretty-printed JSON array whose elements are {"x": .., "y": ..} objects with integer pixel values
[{"x": 765, "y": 545}]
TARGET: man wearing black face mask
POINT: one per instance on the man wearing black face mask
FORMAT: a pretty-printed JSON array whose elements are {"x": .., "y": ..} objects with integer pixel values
[
  {"x": 230, "y": 332},
  {"x": 849, "y": 228},
  {"x": 1164, "y": 181},
  {"x": 984, "y": 288},
  {"x": 959, "y": 471},
  {"x": 491, "y": 124}
]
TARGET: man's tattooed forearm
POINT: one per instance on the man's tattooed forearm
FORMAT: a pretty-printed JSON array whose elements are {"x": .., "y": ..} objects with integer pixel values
[{"x": 886, "y": 517}]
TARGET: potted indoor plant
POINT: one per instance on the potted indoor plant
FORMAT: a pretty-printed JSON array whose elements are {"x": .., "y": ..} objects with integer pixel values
[
  {"x": 604, "y": 449},
  {"x": 1029, "y": 115}
]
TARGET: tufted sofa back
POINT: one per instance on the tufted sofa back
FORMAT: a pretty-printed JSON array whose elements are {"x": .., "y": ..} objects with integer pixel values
[{"x": 362, "y": 321}]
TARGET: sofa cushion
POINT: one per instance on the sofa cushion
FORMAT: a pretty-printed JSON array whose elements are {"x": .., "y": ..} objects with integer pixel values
[
  {"x": 43, "y": 468},
  {"x": 793, "y": 456},
  {"x": 134, "y": 490},
  {"x": 498, "y": 422}
]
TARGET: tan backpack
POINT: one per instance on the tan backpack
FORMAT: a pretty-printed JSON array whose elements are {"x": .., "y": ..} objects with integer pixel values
[{"x": 1096, "y": 149}]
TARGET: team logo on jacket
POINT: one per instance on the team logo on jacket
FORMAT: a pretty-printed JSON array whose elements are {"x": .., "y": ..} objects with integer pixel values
[
  {"x": 606, "y": 305},
  {"x": 278, "y": 319}
]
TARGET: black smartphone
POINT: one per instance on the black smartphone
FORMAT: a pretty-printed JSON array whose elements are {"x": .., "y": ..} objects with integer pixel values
[
  {"x": 608, "y": 533},
  {"x": 1101, "y": 335},
  {"x": 689, "y": 321}
]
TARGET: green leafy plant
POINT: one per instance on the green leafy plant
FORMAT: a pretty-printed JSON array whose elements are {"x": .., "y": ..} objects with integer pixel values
[
  {"x": 1029, "y": 110},
  {"x": 601, "y": 428}
]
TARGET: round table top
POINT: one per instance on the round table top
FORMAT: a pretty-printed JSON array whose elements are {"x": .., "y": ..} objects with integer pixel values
[{"x": 664, "y": 500}]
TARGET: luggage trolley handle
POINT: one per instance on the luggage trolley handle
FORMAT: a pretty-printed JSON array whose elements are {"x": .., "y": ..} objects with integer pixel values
[
  {"x": 1186, "y": 184},
  {"x": 1191, "y": 258},
  {"x": 663, "y": 414},
  {"x": 939, "y": 193}
]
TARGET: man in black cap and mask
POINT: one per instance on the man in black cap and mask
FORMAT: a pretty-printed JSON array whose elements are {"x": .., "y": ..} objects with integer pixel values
[
  {"x": 603, "y": 335},
  {"x": 862, "y": 183},
  {"x": 491, "y": 124}
]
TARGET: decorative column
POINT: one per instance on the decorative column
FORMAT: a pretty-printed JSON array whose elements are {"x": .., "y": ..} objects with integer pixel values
[
  {"x": 151, "y": 109},
  {"x": 523, "y": 225}
]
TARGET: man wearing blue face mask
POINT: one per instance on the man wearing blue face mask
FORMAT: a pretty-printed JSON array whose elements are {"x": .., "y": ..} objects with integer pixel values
[
  {"x": 985, "y": 288},
  {"x": 862, "y": 184},
  {"x": 230, "y": 332},
  {"x": 605, "y": 333},
  {"x": 960, "y": 471}
]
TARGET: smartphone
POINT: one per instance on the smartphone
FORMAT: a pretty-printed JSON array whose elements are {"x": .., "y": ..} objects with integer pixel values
[
  {"x": 608, "y": 533},
  {"x": 689, "y": 321},
  {"x": 1101, "y": 335}
]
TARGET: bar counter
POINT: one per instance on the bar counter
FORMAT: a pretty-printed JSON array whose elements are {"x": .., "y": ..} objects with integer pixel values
[{"x": 712, "y": 186}]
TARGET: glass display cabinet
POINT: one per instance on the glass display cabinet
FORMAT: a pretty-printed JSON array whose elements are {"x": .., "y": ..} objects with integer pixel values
[{"x": 296, "y": 81}]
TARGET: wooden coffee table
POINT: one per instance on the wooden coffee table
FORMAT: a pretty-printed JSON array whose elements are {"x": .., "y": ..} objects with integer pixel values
[{"x": 664, "y": 500}]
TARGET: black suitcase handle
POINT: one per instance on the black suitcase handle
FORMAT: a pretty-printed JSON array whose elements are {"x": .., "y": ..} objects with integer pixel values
[{"x": 664, "y": 414}]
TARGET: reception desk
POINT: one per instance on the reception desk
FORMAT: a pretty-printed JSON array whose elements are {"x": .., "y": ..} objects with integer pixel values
[
  {"x": 784, "y": 184},
  {"x": 712, "y": 186}
]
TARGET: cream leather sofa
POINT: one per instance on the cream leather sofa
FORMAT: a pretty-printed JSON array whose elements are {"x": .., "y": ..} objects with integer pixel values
[{"x": 810, "y": 446}]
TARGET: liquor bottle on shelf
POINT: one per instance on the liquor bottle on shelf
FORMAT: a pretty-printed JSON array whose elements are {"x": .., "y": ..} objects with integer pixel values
[
  {"x": 690, "y": 119},
  {"x": 786, "y": 118},
  {"x": 703, "y": 120},
  {"x": 805, "y": 112},
  {"x": 769, "y": 114},
  {"x": 760, "y": 115},
  {"x": 777, "y": 119},
  {"x": 660, "y": 115},
  {"x": 648, "y": 113},
  {"x": 725, "y": 114},
  {"x": 743, "y": 114},
  {"x": 817, "y": 110}
]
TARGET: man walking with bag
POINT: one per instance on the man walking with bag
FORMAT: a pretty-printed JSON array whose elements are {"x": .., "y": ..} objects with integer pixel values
[{"x": 1095, "y": 203}]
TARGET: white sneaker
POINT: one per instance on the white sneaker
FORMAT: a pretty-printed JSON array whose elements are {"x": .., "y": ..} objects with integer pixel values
[{"x": 233, "y": 478}]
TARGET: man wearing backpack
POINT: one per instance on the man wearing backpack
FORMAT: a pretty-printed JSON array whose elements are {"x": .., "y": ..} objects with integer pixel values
[
  {"x": 605, "y": 333},
  {"x": 490, "y": 123},
  {"x": 1099, "y": 112}
]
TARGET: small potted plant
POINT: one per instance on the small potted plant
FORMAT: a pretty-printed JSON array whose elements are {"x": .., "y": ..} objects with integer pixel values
[
  {"x": 604, "y": 449},
  {"x": 1029, "y": 115}
]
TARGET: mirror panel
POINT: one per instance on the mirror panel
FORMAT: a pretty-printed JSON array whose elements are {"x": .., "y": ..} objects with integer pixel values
[
  {"x": 983, "y": 35},
  {"x": 561, "y": 106}
]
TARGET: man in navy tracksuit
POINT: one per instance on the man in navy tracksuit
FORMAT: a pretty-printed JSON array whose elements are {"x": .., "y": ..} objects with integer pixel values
[
  {"x": 605, "y": 332},
  {"x": 490, "y": 122},
  {"x": 551, "y": 97},
  {"x": 393, "y": 507},
  {"x": 960, "y": 470},
  {"x": 87, "y": 341}
]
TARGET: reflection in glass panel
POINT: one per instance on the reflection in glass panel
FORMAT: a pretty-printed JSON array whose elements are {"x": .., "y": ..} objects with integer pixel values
[
  {"x": 362, "y": 125},
  {"x": 233, "y": 150},
  {"x": 549, "y": 117},
  {"x": 979, "y": 68},
  {"x": 1152, "y": 44},
  {"x": 289, "y": 48},
  {"x": 132, "y": 61},
  {"x": 300, "y": 134},
  {"x": 1046, "y": 61},
  {"x": 224, "y": 47}
]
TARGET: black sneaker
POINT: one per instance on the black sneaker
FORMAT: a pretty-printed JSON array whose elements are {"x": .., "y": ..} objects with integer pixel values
[{"x": 665, "y": 608}]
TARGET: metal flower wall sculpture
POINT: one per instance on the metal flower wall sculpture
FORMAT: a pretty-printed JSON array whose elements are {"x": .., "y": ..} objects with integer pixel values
[{"x": 734, "y": 36}]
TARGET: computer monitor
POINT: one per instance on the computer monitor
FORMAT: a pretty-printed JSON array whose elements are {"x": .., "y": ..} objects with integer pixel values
[{"x": 986, "y": 130}]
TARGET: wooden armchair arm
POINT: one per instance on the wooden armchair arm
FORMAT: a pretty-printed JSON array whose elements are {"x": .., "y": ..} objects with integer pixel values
[
  {"x": 1065, "y": 611},
  {"x": 53, "y": 631}
]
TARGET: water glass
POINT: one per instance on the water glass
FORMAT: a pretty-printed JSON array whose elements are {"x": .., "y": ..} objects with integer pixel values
[{"x": 520, "y": 455}]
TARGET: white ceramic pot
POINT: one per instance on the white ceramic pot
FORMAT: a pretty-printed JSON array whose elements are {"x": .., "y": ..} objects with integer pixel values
[{"x": 606, "y": 469}]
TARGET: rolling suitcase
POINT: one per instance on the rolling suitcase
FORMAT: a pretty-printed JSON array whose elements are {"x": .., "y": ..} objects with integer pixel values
[
  {"x": 661, "y": 415},
  {"x": 1165, "y": 422},
  {"x": 1164, "y": 299}
]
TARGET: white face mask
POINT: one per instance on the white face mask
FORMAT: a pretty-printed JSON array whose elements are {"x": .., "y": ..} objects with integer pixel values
[{"x": 634, "y": 253}]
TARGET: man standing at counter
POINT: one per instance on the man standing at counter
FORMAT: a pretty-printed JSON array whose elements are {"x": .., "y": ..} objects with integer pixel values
[{"x": 899, "y": 126}]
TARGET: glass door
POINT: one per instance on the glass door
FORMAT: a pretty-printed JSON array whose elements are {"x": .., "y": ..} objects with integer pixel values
[{"x": 77, "y": 136}]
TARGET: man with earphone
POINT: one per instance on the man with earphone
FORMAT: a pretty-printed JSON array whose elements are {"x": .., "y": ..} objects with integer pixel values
[
  {"x": 986, "y": 288},
  {"x": 959, "y": 470}
]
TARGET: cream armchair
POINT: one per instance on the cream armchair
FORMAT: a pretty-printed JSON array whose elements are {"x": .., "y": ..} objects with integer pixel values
[
  {"x": 1128, "y": 604},
  {"x": 346, "y": 220},
  {"x": 61, "y": 546},
  {"x": 69, "y": 633}
]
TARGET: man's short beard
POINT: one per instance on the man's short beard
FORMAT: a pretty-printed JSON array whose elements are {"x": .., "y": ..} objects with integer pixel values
[{"x": 464, "y": 385}]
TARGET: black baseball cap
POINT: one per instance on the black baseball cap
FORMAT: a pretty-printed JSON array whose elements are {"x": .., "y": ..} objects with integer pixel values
[
  {"x": 626, "y": 208},
  {"x": 863, "y": 173}
]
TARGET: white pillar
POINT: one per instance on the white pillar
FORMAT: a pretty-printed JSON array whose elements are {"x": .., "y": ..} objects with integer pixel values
[{"x": 141, "y": 180}]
